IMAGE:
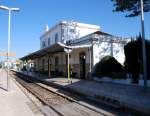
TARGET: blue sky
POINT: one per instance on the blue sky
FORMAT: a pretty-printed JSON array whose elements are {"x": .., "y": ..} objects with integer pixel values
[{"x": 29, "y": 23}]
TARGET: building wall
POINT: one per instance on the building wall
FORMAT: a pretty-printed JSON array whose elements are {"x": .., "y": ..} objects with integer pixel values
[
  {"x": 49, "y": 36},
  {"x": 102, "y": 49},
  {"x": 85, "y": 29},
  {"x": 118, "y": 52},
  {"x": 62, "y": 62},
  {"x": 65, "y": 32}
]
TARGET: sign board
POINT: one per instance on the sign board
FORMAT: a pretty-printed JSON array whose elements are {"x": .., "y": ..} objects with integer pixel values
[
  {"x": 67, "y": 50},
  {"x": 6, "y": 54}
]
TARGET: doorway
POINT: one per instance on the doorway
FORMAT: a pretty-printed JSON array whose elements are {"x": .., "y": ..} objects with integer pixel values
[
  {"x": 82, "y": 61},
  {"x": 43, "y": 65},
  {"x": 56, "y": 65}
]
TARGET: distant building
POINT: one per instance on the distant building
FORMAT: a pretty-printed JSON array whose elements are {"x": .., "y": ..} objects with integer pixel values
[
  {"x": 85, "y": 44},
  {"x": 11, "y": 63}
]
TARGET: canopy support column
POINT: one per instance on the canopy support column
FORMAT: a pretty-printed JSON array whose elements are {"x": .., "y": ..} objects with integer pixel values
[
  {"x": 68, "y": 51},
  {"x": 68, "y": 67},
  {"x": 49, "y": 67}
]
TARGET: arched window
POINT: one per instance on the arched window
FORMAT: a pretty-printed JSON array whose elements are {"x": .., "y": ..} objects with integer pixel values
[
  {"x": 56, "y": 63},
  {"x": 43, "y": 64},
  {"x": 56, "y": 37},
  {"x": 43, "y": 44},
  {"x": 49, "y": 41}
]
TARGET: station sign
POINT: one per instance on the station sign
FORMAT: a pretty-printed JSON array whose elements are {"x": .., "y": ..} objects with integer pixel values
[
  {"x": 67, "y": 50},
  {"x": 7, "y": 54}
]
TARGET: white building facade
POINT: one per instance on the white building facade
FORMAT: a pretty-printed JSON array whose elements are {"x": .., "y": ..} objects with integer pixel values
[
  {"x": 87, "y": 43},
  {"x": 64, "y": 31}
]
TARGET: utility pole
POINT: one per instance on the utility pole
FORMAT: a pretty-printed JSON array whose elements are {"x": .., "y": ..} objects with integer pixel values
[{"x": 143, "y": 46}]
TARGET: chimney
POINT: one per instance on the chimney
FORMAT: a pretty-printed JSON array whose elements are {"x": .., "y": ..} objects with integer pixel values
[{"x": 46, "y": 28}]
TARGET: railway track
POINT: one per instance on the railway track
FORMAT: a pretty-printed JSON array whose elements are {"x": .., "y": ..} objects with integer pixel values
[{"x": 58, "y": 104}]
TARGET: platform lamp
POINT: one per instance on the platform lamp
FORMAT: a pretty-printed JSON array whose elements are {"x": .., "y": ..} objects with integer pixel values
[{"x": 9, "y": 9}]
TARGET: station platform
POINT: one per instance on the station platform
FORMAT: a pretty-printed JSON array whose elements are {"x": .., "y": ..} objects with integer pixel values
[
  {"x": 14, "y": 102},
  {"x": 130, "y": 96}
]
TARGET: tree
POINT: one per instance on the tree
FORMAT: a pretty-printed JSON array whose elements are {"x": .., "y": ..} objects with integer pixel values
[
  {"x": 131, "y": 6},
  {"x": 0, "y": 64},
  {"x": 132, "y": 64},
  {"x": 133, "y": 58}
]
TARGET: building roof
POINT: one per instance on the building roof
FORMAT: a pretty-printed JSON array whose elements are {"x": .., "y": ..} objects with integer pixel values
[
  {"x": 102, "y": 33},
  {"x": 55, "y": 48},
  {"x": 77, "y": 23},
  {"x": 99, "y": 36}
]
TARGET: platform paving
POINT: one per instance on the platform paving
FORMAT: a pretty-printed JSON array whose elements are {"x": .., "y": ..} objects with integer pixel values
[
  {"x": 129, "y": 96},
  {"x": 13, "y": 102}
]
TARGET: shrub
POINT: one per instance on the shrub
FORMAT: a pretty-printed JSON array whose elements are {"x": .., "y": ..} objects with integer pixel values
[{"x": 109, "y": 66}]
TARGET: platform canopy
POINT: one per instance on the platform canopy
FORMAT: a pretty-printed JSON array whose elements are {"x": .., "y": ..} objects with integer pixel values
[{"x": 55, "y": 48}]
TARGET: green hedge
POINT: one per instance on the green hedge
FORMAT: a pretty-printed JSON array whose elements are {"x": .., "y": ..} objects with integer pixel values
[{"x": 109, "y": 66}]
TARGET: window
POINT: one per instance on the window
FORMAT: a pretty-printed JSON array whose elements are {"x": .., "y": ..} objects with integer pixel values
[
  {"x": 49, "y": 41},
  {"x": 43, "y": 44},
  {"x": 62, "y": 32},
  {"x": 72, "y": 30},
  {"x": 56, "y": 37}
]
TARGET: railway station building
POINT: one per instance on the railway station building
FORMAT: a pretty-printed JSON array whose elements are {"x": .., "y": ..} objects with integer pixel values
[{"x": 73, "y": 46}]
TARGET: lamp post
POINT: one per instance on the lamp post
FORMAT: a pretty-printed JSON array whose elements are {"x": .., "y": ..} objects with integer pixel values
[
  {"x": 1, "y": 67},
  {"x": 143, "y": 46},
  {"x": 68, "y": 51},
  {"x": 9, "y": 32}
]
